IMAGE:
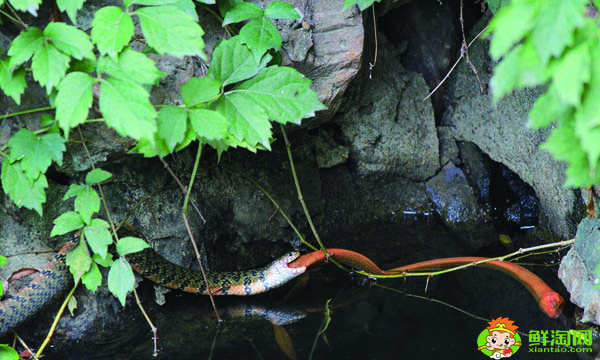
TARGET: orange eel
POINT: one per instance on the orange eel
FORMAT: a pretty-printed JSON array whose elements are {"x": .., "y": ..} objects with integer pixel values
[{"x": 550, "y": 302}]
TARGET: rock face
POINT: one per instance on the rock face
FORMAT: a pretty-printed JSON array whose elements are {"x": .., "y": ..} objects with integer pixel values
[
  {"x": 500, "y": 131},
  {"x": 578, "y": 270},
  {"x": 387, "y": 129}
]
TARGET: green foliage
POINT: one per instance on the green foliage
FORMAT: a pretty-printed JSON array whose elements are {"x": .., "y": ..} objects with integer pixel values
[
  {"x": 95, "y": 236},
  {"x": 553, "y": 43},
  {"x": 232, "y": 106},
  {"x": 8, "y": 353}
]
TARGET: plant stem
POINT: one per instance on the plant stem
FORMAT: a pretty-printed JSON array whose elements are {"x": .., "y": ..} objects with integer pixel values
[
  {"x": 300, "y": 197},
  {"x": 275, "y": 203},
  {"x": 24, "y": 112},
  {"x": 55, "y": 322},
  {"x": 498, "y": 258},
  {"x": 194, "y": 171}
]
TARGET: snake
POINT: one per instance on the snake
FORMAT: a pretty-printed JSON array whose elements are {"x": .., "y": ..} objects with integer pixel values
[
  {"x": 549, "y": 301},
  {"x": 55, "y": 278}
]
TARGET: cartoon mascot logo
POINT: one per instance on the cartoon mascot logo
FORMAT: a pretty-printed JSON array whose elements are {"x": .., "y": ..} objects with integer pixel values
[{"x": 500, "y": 339}]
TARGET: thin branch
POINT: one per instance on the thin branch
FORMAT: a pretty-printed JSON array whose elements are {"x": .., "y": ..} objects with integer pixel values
[
  {"x": 464, "y": 49},
  {"x": 475, "y": 263},
  {"x": 199, "y": 258},
  {"x": 182, "y": 187},
  {"x": 153, "y": 328},
  {"x": 25, "y": 346},
  {"x": 455, "y": 64},
  {"x": 371, "y": 66}
]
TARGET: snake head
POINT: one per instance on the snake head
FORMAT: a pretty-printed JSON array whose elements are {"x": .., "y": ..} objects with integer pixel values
[
  {"x": 552, "y": 304},
  {"x": 278, "y": 273}
]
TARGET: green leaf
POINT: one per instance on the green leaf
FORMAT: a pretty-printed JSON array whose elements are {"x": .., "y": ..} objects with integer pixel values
[
  {"x": 106, "y": 261},
  {"x": 510, "y": 25},
  {"x": 21, "y": 190},
  {"x": 87, "y": 203},
  {"x": 31, "y": 6},
  {"x": 98, "y": 237},
  {"x": 93, "y": 278},
  {"x": 506, "y": 75},
  {"x": 112, "y": 29},
  {"x": 130, "y": 244},
  {"x": 226, "y": 5},
  {"x": 172, "y": 123},
  {"x": 281, "y": 10},
  {"x": 36, "y": 153},
  {"x": 12, "y": 82},
  {"x": 170, "y": 30},
  {"x": 66, "y": 222},
  {"x": 84, "y": 65},
  {"x": 190, "y": 135},
  {"x": 97, "y": 176},
  {"x": 199, "y": 90},
  {"x": 74, "y": 100},
  {"x": 587, "y": 119},
  {"x": 74, "y": 190},
  {"x": 547, "y": 109},
  {"x": 208, "y": 124},
  {"x": 79, "y": 260},
  {"x": 150, "y": 149},
  {"x": 24, "y": 46},
  {"x": 564, "y": 145},
  {"x": 249, "y": 122},
  {"x": 260, "y": 35},
  {"x": 72, "y": 304},
  {"x": 127, "y": 109},
  {"x": 131, "y": 66},
  {"x": 8, "y": 353},
  {"x": 242, "y": 11},
  {"x": 120, "y": 279},
  {"x": 284, "y": 94},
  {"x": 49, "y": 66},
  {"x": 71, "y": 7},
  {"x": 572, "y": 73},
  {"x": 70, "y": 40},
  {"x": 555, "y": 26},
  {"x": 232, "y": 62},
  {"x": 3, "y": 260}
]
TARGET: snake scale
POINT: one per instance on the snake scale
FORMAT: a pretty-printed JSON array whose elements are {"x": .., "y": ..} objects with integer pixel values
[{"x": 55, "y": 279}]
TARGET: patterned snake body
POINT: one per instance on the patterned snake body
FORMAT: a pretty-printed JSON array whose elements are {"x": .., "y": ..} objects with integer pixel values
[
  {"x": 249, "y": 282},
  {"x": 45, "y": 287},
  {"x": 55, "y": 279}
]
